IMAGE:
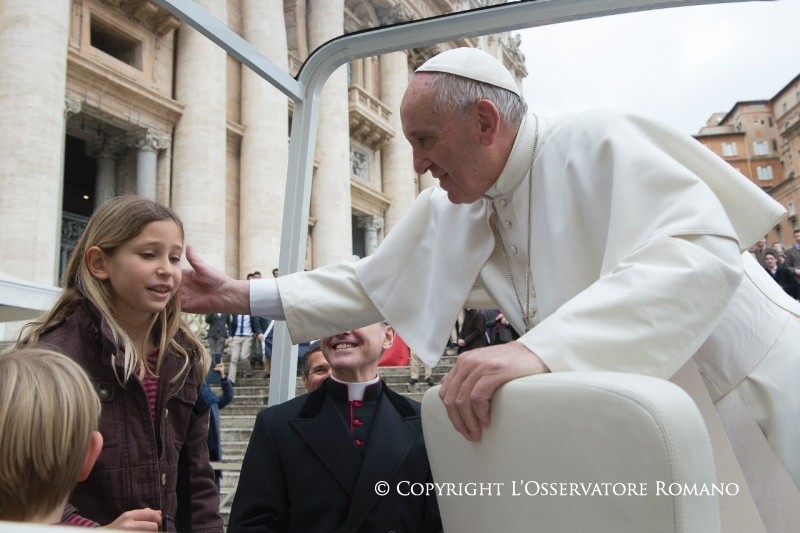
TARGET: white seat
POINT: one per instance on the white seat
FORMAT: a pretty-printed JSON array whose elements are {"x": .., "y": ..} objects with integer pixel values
[{"x": 637, "y": 445}]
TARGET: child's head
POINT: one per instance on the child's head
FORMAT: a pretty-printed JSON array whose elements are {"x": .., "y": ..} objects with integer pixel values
[
  {"x": 49, "y": 413},
  {"x": 116, "y": 224},
  {"x": 127, "y": 263}
]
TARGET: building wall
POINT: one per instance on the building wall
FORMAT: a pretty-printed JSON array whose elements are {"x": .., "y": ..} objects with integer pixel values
[
  {"x": 127, "y": 93},
  {"x": 769, "y": 132}
]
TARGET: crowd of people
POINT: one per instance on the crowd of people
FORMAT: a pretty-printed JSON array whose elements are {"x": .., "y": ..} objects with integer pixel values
[
  {"x": 783, "y": 265},
  {"x": 659, "y": 280}
]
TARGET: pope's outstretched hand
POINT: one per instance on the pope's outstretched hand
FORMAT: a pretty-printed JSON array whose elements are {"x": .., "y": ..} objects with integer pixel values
[{"x": 204, "y": 289}]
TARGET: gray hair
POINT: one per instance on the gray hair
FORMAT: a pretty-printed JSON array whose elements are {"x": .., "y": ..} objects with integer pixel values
[{"x": 457, "y": 93}]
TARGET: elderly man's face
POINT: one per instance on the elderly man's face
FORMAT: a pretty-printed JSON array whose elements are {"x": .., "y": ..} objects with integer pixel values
[
  {"x": 445, "y": 143},
  {"x": 353, "y": 355},
  {"x": 318, "y": 370}
]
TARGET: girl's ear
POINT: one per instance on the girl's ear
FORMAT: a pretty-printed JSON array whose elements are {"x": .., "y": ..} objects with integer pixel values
[{"x": 96, "y": 262}]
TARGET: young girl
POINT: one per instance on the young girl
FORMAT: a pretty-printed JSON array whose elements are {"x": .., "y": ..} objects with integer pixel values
[{"x": 119, "y": 318}]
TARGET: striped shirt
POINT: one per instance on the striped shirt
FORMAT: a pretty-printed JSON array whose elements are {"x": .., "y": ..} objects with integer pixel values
[{"x": 150, "y": 383}]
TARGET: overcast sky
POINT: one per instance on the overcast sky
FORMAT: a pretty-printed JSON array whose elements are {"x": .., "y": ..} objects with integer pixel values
[{"x": 679, "y": 65}]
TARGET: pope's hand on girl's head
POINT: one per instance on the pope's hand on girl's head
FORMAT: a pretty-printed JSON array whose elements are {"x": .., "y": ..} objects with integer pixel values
[{"x": 205, "y": 289}]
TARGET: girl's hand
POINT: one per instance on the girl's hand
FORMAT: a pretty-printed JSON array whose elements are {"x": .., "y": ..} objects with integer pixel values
[{"x": 138, "y": 520}]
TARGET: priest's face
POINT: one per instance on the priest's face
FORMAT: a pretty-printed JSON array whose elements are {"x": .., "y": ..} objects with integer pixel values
[
  {"x": 447, "y": 143},
  {"x": 353, "y": 355},
  {"x": 318, "y": 370}
]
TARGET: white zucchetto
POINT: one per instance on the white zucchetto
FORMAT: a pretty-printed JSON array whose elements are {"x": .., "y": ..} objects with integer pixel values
[{"x": 472, "y": 63}]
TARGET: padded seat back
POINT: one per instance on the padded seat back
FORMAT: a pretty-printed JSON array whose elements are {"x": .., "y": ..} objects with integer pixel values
[{"x": 577, "y": 451}]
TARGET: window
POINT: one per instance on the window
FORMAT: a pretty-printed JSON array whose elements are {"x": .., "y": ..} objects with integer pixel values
[
  {"x": 764, "y": 173},
  {"x": 118, "y": 45},
  {"x": 760, "y": 148},
  {"x": 729, "y": 149}
]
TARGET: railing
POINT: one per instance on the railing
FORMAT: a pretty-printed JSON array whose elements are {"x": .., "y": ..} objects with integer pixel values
[
  {"x": 369, "y": 118},
  {"x": 72, "y": 227}
]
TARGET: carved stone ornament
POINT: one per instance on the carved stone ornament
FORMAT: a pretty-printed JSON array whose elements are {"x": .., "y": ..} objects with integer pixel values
[
  {"x": 147, "y": 139},
  {"x": 370, "y": 222},
  {"x": 359, "y": 164}
]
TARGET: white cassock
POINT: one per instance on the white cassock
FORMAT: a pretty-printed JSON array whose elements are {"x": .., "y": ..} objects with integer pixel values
[{"x": 636, "y": 239}]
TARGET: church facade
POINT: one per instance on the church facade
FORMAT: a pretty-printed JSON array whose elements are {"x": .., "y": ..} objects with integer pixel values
[{"x": 103, "y": 97}]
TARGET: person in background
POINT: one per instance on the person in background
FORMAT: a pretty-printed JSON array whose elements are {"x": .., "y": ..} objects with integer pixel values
[
  {"x": 315, "y": 367},
  {"x": 759, "y": 249},
  {"x": 218, "y": 326},
  {"x": 473, "y": 331},
  {"x": 209, "y": 400},
  {"x": 414, "y": 365},
  {"x": 793, "y": 255},
  {"x": 782, "y": 275},
  {"x": 245, "y": 329}
]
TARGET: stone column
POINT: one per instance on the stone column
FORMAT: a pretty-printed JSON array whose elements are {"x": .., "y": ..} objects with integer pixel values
[
  {"x": 417, "y": 57},
  {"x": 330, "y": 194},
  {"x": 371, "y": 224},
  {"x": 105, "y": 150},
  {"x": 396, "y": 157},
  {"x": 200, "y": 151},
  {"x": 33, "y": 62},
  {"x": 147, "y": 143},
  {"x": 265, "y": 145}
]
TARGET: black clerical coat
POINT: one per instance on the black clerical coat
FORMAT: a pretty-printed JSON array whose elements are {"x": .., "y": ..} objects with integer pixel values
[{"x": 303, "y": 472}]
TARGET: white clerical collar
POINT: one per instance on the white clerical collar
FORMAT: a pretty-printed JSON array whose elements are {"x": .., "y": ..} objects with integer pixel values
[
  {"x": 519, "y": 160},
  {"x": 355, "y": 391}
]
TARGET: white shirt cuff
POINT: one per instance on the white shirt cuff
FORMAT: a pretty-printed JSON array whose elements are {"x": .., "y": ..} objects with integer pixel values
[{"x": 265, "y": 300}]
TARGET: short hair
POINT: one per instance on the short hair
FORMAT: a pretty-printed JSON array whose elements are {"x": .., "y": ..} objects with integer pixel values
[
  {"x": 315, "y": 346},
  {"x": 48, "y": 411},
  {"x": 772, "y": 252},
  {"x": 457, "y": 93}
]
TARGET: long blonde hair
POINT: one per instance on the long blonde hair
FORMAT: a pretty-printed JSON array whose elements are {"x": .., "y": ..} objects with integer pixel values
[
  {"x": 48, "y": 411},
  {"x": 114, "y": 224}
]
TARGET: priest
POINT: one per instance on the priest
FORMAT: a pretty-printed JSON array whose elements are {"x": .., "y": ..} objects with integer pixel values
[{"x": 609, "y": 241}]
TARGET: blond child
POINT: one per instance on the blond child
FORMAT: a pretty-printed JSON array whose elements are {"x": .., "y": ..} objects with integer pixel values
[
  {"x": 48, "y": 428},
  {"x": 119, "y": 318}
]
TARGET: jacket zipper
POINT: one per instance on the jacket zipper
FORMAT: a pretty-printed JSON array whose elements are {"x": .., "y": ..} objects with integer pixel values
[{"x": 163, "y": 444}]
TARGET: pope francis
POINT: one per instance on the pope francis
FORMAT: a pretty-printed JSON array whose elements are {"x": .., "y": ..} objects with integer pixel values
[{"x": 611, "y": 242}]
